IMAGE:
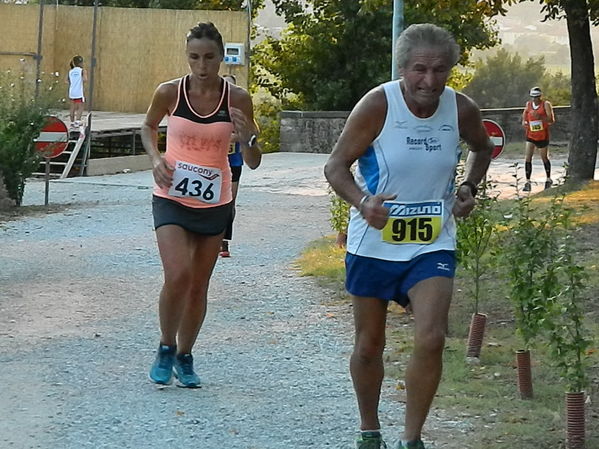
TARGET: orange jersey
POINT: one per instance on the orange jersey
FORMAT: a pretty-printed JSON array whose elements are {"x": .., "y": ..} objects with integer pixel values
[
  {"x": 197, "y": 147},
  {"x": 536, "y": 121}
]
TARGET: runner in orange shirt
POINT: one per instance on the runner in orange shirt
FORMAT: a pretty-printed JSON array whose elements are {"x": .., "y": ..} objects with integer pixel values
[{"x": 536, "y": 120}]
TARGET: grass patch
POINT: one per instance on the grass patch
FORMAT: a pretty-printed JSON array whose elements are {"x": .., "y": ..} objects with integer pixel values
[
  {"x": 486, "y": 395},
  {"x": 323, "y": 260}
]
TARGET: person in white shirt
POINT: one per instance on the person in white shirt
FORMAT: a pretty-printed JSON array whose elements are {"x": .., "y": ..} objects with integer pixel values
[{"x": 76, "y": 81}]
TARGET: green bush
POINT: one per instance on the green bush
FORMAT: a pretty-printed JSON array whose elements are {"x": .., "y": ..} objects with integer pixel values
[
  {"x": 267, "y": 110},
  {"x": 547, "y": 284},
  {"x": 529, "y": 249},
  {"x": 569, "y": 338},
  {"x": 476, "y": 235},
  {"x": 339, "y": 209},
  {"x": 21, "y": 119}
]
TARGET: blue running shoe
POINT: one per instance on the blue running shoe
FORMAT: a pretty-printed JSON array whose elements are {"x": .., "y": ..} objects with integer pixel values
[
  {"x": 186, "y": 377},
  {"x": 161, "y": 371}
]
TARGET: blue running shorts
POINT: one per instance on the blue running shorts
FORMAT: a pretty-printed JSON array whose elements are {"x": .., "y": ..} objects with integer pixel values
[{"x": 389, "y": 280}]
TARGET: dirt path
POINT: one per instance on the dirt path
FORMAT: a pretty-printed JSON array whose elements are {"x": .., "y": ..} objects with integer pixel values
[
  {"x": 78, "y": 327},
  {"x": 78, "y": 324}
]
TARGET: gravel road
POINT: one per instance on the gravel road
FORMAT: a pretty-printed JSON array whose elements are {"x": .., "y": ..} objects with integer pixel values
[{"x": 78, "y": 326}]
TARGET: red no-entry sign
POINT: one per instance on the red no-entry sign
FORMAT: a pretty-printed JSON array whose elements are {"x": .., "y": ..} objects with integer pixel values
[
  {"x": 496, "y": 135},
  {"x": 53, "y": 138}
]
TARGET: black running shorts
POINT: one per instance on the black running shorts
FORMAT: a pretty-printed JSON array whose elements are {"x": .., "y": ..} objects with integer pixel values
[{"x": 205, "y": 220}]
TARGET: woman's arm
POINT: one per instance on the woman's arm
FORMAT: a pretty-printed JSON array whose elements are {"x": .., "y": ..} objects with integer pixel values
[
  {"x": 242, "y": 114},
  {"x": 164, "y": 97}
]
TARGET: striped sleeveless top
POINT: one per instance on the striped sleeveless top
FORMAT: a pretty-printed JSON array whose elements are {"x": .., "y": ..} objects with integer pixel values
[{"x": 197, "y": 146}]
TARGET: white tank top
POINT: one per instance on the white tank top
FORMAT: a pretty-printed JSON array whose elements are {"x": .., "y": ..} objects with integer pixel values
[
  {"x": 76, "y": 82},
  {"x": 415, "y": 159}
]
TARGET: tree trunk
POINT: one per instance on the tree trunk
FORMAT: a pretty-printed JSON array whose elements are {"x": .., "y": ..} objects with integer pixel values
[{"x": 583, "y": 128}]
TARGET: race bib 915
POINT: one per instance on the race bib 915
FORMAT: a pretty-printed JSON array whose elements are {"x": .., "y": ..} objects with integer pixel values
[
  {"x": 196, "y": 182},
  {"x": 413, "y": 222}
]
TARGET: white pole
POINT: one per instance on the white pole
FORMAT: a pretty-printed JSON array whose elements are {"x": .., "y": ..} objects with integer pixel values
[{"x": 397, "y": 29}]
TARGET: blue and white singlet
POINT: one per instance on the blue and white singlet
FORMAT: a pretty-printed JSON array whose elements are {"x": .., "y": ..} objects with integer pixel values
[{"x": 415, "y": 159}]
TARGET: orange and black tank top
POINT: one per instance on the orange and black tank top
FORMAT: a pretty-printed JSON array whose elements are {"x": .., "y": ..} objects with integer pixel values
[
  {"x": 536, "y": 121},
  {"x": 197, "y": 147}
]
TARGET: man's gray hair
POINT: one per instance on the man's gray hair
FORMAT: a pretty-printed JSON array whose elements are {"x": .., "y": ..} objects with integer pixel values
[{"x": 426, "y": 35}]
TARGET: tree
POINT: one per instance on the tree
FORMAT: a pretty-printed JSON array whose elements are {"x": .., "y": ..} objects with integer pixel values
[
  {"x": 556, "y": 87},
  {"x": 584, "y": 132},
  {"x": 503, "y": 80},
  {"x": 585, "y": 116},
  {"x": 334, "y": 51},
  {"x": 216, "y": 5}
]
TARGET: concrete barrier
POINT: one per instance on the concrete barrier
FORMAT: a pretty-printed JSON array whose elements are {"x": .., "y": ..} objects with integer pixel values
[{"x": 120, "y": 164}]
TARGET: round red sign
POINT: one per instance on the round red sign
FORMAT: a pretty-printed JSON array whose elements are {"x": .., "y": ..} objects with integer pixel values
[
  {"x": 496, "y": 135},
  {"x": 53, "y": 138}
]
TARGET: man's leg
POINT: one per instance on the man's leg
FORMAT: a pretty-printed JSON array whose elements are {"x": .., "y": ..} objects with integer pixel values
[
  {"x": 528, "y": 152},
  {"x": 544, "y": 152},
  {"x": 366, "y": 363},
  {"x": 430, "y": 301}
]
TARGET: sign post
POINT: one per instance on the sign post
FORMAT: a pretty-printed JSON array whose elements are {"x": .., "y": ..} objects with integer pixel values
[
  {"x": 52, "y": 141},
  {"x": 496, "y": 135}
]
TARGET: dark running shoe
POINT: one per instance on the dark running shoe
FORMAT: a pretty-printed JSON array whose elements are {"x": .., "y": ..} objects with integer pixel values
[
  {"x": 526, "y": 187},
  {"x": 224, "y": 249},
  {"x": 161, "y": 371},
  {"x": 548, "y": 184},
  {"x": 411, "y": 445},
  {"x": 374, "y": 442},
  {"x": 186, "y": 376}
]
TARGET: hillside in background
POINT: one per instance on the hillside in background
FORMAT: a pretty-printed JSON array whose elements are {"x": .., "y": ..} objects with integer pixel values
[
  {"x": 522, "y": 30},
  {"x": 268, "y": 23}
]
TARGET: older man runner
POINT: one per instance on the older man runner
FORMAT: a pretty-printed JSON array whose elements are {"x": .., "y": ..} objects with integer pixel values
[{"x": 405, "y": 136}]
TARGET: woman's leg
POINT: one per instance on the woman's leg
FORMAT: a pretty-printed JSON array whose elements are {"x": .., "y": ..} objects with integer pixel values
[
  {"x": 79, "y": 111},
  {"x": 72, "y": 111},
  {"x": 174, "y": 245},
  {"x": 204, "y": 252}
]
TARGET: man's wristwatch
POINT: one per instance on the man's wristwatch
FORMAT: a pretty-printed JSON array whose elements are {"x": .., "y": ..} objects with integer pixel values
[
  {"x": 472, "y": 186},
  {"x": 253, "y": 141}
]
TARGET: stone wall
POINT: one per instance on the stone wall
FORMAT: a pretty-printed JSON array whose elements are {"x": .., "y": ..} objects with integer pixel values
[
  {"x": 317, "y": 132},
  {"x": 311, "y": 132}
]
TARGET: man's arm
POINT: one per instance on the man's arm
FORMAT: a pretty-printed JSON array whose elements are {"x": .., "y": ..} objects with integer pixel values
[
  {"x": 475, "y": 135},
  {"x": 549, "y": 112},
  {"x": 363, "y": 125}
]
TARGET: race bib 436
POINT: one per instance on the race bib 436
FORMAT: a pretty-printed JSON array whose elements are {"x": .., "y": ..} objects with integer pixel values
[
  {"x": 196, "y": 182},
  {"x": 413, "y": 222}
]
